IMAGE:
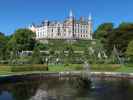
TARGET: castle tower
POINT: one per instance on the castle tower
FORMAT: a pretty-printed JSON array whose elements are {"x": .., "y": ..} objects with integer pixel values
[
  {"x": 90, "y": 17},
  {"x": 70, "y": 14},
  {"x": 90, "y": 25},
  {"x": 71, "y": 23}
]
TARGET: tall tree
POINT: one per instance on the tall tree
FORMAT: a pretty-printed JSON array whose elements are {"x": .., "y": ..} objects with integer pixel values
[
  {"x": 22, "y": 39},
  {"x": 102, "y": 33},
  {"x": 3, "y": 42},
  {"x": 36, "y": 56},
  {"x": 129, "y": 51},
  {"x": 120, "y": 37},
  {"x": 103, "y": 30}
]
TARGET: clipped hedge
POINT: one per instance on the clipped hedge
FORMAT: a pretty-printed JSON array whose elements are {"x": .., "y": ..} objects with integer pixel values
[
  {"x": 74, "y": 67},
  {"x": 105, "y": 67},
  {"x": 129, "y": 65},
  {"x": 23, "y": 68}
]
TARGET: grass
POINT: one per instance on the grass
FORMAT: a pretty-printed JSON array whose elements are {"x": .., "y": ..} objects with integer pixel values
[
  {"x": 67, "y": 67},
  {"x": 112, "y": 68},
  {"x": 10, "y": 69},
  {"x": 125, "y": 69},
  {"x": 105, "y": 67},
  {"x": 7, "y": 70}
]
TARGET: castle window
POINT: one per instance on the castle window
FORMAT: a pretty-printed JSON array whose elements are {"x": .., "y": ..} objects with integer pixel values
[
  {"x": 58, "y": 32},
  {"x": 52, "y": 30}
]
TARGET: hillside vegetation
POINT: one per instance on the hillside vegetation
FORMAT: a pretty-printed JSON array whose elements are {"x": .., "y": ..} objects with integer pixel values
[{"x": 77, "y": 45}]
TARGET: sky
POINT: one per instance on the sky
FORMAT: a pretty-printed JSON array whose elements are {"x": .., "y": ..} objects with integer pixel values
[{"x": 16, "y": 14}]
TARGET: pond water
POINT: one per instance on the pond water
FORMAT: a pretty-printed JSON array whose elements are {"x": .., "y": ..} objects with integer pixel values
[{"x": 67, "y": 89}]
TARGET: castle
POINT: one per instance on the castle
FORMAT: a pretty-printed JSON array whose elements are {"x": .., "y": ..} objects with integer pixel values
[{"x": 70, "y": 28}]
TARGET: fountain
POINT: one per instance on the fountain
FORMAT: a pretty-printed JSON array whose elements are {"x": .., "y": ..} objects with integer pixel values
[
  {"x": 85, "y": 80},
  {"x": 86, "y": 74}
]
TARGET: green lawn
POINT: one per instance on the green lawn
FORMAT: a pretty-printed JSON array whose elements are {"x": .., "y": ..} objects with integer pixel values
[
  {"x": 112, "y": 68},
  {"x": 67, "y": 67},
  {"x": 10, "y": 69},
  {"x": 125, "y": 69},
  {"x": 94, "y": 67},
  {"x": 6, "y": 69}
]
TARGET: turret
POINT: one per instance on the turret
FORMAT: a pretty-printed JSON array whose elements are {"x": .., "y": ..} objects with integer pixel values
[
  {"x": 90, "y": 25},
  {"x": 70, "y": 14},
  {"x": 71, "y": 17},
  {"x": 90, "y": 17}
]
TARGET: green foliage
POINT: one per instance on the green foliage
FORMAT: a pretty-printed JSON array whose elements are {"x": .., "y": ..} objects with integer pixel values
[
  {"x": 105, "y": 67},
  {"x": 8, "y": 69},
  {"x": 36, "y": 57},
  {"x": 70, "y": 58},
  {"x": 106, "y": 38},
  {"x": 41, "y": 46},
  {"x": 126, "y": 25},
  {"x": 29, "y": 68},
  {"x": 120, "y": 37},
  {"x": 5, "y": 69},
  {"x": 22, "y": 39},
  {"x": 73, "y": 53},
  {"x": 102, "y": 31},
  {"x": 78, "y": 45},
  {"x": 129, "y": 51},
  {"x": 66, "y": 67},
  {"x": 110, "y": 36},
  {"x": 3, "y": 42}
]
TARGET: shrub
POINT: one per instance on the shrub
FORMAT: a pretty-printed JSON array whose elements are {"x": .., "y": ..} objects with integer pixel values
[
  {"x": 129, "y": 65},
  {"x": 79, "y": 68},
  {"x": 75, "y": 66},
  {"x": 29, "y": 68},
  {"x": 105, "y": 67}
]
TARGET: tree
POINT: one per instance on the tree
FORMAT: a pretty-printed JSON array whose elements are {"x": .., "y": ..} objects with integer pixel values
[
  {"x": 70, "y": 55},
  {"x": 36, "y": 56},
  {"x": 41, "y": 46},
  {"x": 1, "y": 33},
  {"x": 3, "y": 42},
  {"x": 22, "y": 39},
  {"x": 120, "y": 37},
  {"x": 129, "y": 51},
  {"x": 102, "y": 31}
]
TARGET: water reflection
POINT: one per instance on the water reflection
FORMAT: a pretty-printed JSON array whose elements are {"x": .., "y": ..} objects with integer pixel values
[
  {"x": 67, "y": 89},
  {"x": 114, "y": 90}
]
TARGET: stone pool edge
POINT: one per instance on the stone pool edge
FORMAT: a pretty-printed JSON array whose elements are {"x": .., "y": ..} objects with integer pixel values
[{"x": 75, "y": 73}]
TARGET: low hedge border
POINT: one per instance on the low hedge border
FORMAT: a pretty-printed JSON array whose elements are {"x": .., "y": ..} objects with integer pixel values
[{"x": 23, "y": 68}]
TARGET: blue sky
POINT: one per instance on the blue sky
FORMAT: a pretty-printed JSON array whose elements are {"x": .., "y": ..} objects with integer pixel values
[{"x": 20, "y": 13}]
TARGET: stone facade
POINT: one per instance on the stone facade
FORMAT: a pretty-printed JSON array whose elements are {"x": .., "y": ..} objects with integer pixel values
[{"x": 71, "y": 28}]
